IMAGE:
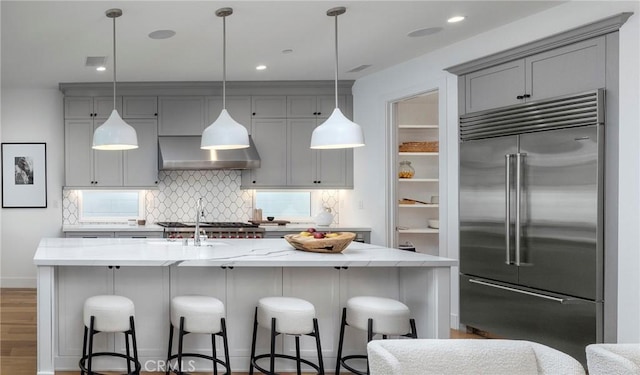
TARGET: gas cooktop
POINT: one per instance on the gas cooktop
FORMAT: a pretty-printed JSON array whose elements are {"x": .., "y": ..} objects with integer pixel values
[{"x": 206, "y": 224}]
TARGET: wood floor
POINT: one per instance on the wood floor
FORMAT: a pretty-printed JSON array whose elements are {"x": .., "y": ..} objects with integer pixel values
[{"x": 18, "y": 333}]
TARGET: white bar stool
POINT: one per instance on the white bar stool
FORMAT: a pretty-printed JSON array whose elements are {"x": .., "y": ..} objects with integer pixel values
[
  {"x": 108, "y": 313},
  {"x": 289, "y": 316},
  {"x": 375, "y": 315},
  {"x": 198, "y": 314}
]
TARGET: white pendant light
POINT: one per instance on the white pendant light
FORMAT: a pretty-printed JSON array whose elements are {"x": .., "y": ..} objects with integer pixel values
[
  {"x": 337, "y": 131},
  {"x": 224, "y": 133},
  {"x": 115, "y": 134}
]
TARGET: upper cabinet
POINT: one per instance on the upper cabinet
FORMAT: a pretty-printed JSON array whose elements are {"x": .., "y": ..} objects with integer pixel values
[
  {"x": 181, "y": 115},
  {"x": 311, "y": 106},
  {"x": 140, "y": 107},
  {"x": 83, "y": 107},
  {"x": 566, "y": 70},
  {"x": 269, "y": 106}
]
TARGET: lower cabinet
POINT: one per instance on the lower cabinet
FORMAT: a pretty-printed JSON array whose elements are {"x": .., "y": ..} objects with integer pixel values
[
  {"x": 147, "y": 287},
  {"x": 128, "y": 234},
  {"x": 361, "y": 236}
]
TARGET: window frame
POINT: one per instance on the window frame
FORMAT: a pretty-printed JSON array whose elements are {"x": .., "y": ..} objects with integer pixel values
[
  {"x": 314, "y": 196},
  {"x": 111, "y": 219}
]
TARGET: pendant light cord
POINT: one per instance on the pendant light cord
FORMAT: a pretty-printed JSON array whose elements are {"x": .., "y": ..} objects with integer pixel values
[
  {"x": 224, "y": 62},
  {"x": 114, "y": 63},
  {"x": 336, "y": 70}
]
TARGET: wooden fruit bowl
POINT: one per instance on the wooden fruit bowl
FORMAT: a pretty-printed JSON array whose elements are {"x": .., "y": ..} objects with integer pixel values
[{"x": 321, "y": 245}]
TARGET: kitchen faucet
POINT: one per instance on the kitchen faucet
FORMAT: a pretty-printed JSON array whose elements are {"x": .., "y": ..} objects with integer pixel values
[{"x": 199, "y": 212}]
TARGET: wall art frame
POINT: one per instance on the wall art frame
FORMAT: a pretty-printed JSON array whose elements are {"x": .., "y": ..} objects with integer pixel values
[{"x": 24, "y": 175}]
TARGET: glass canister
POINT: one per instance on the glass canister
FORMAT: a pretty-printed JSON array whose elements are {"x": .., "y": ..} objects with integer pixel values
[{"x": 406, "y": 170}]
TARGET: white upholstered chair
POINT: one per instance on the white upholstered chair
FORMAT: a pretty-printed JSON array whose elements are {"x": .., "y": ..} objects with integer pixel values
[
  {"x": 613, "y": 359},
  {"x": 458, "y": 357}
]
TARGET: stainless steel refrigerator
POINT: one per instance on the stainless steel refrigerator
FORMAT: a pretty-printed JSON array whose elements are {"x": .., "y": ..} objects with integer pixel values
[{"x": 531, "y": 221}]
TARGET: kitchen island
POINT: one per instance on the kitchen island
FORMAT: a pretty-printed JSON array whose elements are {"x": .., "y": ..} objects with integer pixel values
[{"x": 238, "y": 272}]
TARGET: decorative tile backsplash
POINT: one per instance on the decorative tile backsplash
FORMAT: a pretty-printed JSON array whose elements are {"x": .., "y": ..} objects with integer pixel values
[{"x": 175, "y": 199}]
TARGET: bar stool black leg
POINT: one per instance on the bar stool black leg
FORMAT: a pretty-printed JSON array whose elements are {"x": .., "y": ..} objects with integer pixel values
[
  {"x": 180, "y": 338},
  {"x": 253, "y": 341},
  {"x": 168, "y": 363},
  {"x": 342, "y": 325},
  {"x": 298, "y": 368},
  {"x": 213, "y": 346},
  {"x": 135, "y": 344},
  {"x": 84, "y": 347},
  {"x": 317, "y": 335},
  {"x": 128, "y": 351},
  {"x": 91, "y": 333},
  {"x": 272, "y": 366},
  {"x": 414, "y": 332},
  {"x": 226, "y": 346}
]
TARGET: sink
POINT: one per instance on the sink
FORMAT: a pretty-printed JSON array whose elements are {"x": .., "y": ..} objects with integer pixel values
[{"x": 180, "y": 242}]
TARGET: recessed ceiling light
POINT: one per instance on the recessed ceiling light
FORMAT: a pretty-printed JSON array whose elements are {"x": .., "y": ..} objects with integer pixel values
[
  {"x": 424, "y": 32},
  {"x": 288, "y": 50},
  {"x": 456, "y": 19},
  {"x": 162, "y": 34},
  {"x": 101, "y": 68},
  {"x": 261, "y": 67}
]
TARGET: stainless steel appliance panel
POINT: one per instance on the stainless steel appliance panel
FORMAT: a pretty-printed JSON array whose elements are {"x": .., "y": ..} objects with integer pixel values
[
  {"x": 486, "y": 240},
  {"x": 559, "y": 212},
  {"x": 561, "y": 322}
]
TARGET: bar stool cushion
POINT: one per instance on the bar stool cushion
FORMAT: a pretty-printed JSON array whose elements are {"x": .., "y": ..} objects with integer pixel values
[
  {"x": 111, "y": 313},
  {"x": 202, "y": 314},
  {"x": 390, "y": 317},
  {"x": 294, "y": 316}
]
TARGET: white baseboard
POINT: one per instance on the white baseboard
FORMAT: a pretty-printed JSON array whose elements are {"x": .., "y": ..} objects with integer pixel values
[
  {"x": 17, "y": 282},
  {"x": 454, "y": 321}
]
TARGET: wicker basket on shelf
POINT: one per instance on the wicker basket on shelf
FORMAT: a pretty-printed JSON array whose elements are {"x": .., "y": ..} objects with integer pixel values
[
  {"x": 428, "y": 146},
  {"x": 321, "y": 245}
]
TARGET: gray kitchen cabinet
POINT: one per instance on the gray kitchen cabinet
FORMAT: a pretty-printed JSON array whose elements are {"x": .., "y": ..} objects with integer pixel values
[
  {"x": 84, "y": 234},
  {"x": 84, "y": 166},
  {"x": 315, "y": 168},
  {"x": 139, "y": 107},
  {"x": 361, "y": 236},
  {"x": 84, "y": 107},
  {"x": 270, "y": 137},
  {"x": 141, "y": 164},
  {"x": 311, "y": 106},
  {"x": 269, "y": 106},
  {"x": 147, "y": 287},
  {"x": 102, "y": 234},
  {"x": 136, "y": 234},
  {"x": 239, "y": 107},
  {"x": 565, "y": 70},
  {"x": 181, "y": 115}
]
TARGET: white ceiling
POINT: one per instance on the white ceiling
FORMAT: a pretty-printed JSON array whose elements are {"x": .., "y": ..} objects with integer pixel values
[{"x": 47, "y": 42}]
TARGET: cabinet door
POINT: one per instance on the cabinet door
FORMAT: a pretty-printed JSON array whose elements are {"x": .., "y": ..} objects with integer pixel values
[
  {"x": 89, "y": 234},
  {"x": 141, "y": 164},
  {"x": 245, "y": 286},
  {"x": 103, "y": 106},
  {"x": 107, "y": 165},
  {"x": 140, "y": 107},
  {"x": 180, "y": 115},
  {"x": 269, "y": 106},
  {"x": 495, "y": 87},
  {"x": 74, "y": 286},
  {"x": 78, "y": 154},
  {"x": 567, "y": 70},
  {"x": 303, "y": 106},
  {"x": 78, "y": 107},
  {"x": 321, "y": 287},
  {"x": 148, "y": 288},
  {"x": 302, "y": 161},
  {"x": 239, "y": 107},
  {"x": 334, "y": 168},
  {"x": 270, "y": 137}
]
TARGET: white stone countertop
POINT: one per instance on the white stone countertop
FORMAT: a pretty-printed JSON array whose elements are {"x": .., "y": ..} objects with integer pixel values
[
  {"x": 304, "y": 226},
  {"x": 112, "y": 228},
  {"x": 215, "y": 252}
]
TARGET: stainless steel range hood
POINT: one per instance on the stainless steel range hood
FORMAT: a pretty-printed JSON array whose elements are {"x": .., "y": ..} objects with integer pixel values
[{"x": 180, "y": 153}]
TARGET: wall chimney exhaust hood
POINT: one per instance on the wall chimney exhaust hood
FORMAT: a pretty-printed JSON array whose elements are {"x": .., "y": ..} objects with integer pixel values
[{"x": 184, "y": 152}]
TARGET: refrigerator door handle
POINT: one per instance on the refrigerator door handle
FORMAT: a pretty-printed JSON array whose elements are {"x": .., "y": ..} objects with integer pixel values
[
  {"x": 550, "y": 298},
  {"x": 507, "y": 208},
  {"x": 519, "y": 157}
]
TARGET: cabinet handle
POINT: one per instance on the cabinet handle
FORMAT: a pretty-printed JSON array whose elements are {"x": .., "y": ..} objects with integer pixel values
[
  {"x": 110, "y": 267},
  {"x": 155, "y": 114},
  {"x": 156, "y": 182},
  {"x": 527, "y": 95},
  {"x": 315, "y": 113},
  {"x": 319, "y": 113},
  {"x": 520, "y": 97},
  {"x": 254, "y": 181},
  {"x": 254, "y": 113},
  {"x": 117, "y": 267},
  {"x": 319, "y": 181}
]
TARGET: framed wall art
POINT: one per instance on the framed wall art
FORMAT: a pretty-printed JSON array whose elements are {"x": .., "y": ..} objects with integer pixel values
[{"x": 24, "y": 175}]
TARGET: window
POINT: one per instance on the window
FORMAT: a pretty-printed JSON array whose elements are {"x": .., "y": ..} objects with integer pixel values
[
  {"x": 290, "y": 205},
  {"x": 111, "y": 206}
]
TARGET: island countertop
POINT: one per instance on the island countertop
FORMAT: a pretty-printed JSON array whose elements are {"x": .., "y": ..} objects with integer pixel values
[{"x": 220, "y": 252}]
